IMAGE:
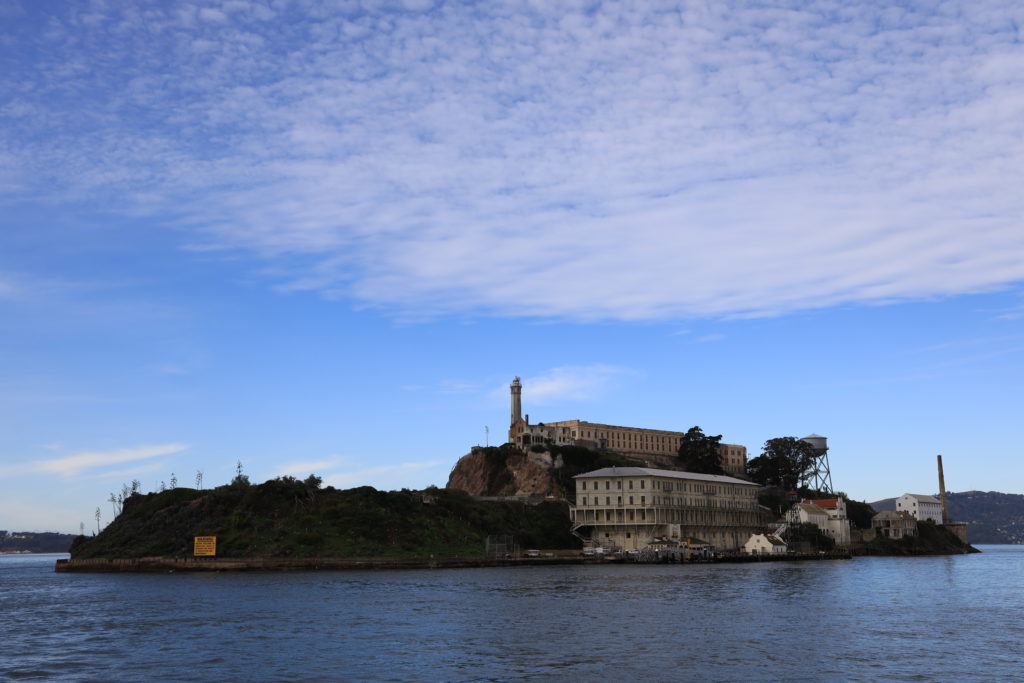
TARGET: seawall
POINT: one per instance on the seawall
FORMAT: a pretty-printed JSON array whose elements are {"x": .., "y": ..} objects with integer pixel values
[{"x": 265, "y": 564}]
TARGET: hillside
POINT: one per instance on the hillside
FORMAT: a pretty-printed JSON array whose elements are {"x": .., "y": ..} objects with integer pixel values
[
  {"x": 289, "y": 518},
  {"x": 993, "y": 517}
]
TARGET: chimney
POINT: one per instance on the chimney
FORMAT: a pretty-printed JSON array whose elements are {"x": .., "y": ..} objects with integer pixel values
[{"x": 942, "y": 493}]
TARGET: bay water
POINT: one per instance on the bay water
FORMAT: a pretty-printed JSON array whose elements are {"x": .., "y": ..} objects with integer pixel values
[{"x": 944, "y": 618}]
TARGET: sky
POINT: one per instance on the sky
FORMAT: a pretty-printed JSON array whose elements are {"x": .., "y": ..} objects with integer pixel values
[{"x": 323, "y": 237}]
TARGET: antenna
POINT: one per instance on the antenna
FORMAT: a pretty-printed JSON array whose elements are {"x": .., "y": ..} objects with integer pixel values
[{"x": 487, "y": 435}]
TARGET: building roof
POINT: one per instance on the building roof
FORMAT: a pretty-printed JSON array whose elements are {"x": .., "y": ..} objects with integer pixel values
[
  {"x": 893, "y": 514},
  {"x": 771, "y": 538},
  {"x": 825, "y": 503},
  {"x": 651, "y": 472},
  {"x": 922, "y": 498},
  {"x": 809, "y": 508}
]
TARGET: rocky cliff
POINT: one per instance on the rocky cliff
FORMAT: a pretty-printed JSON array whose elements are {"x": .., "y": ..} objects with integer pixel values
[
  {"x": 503, "y": 472},
  {"x": 507, "y": 471}
]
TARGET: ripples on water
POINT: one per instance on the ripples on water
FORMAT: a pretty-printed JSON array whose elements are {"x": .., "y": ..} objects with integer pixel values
[{"x": 928, "y": 618}]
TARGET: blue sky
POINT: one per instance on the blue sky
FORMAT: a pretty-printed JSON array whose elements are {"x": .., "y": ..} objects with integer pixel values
[{"x": 323, "y": 237}]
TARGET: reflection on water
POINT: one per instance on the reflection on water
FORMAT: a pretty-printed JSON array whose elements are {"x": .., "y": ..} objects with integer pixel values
[{"x": 893, "y": 618}]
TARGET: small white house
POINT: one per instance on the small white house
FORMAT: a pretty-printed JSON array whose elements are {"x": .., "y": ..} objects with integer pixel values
[
  {"x": 764, "y": 544},
  {"x": 808, "y": 513},
  {"x": 920, "y": 507}
]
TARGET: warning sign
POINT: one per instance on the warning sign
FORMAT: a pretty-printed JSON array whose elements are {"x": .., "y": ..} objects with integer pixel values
[{"x": 205, "y": 546}]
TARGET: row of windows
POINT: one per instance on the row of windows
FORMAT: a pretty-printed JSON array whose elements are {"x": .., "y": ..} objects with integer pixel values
[
  {"x": 608, "y": 484},
  {"x": 666, "y": 500},
  {"x": 661, "y": 485}
]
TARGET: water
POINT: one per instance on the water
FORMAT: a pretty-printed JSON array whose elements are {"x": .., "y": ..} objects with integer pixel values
[{"x": 918, "y": 619}]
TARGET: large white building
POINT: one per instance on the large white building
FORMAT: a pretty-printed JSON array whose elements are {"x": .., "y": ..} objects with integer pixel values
[
  {"x": 629, "y": 507},
  {"x": 653, "y": 444},
  {"x": 920, "y": 507}
]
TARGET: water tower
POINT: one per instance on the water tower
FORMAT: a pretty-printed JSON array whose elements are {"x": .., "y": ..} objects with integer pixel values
[{"x": 818, "y": 476}]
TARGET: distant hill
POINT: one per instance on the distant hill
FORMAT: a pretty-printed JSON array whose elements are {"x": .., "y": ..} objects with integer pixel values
[
  {"x": 994, "y": 518},
  {"x": 29, "y": 541}
]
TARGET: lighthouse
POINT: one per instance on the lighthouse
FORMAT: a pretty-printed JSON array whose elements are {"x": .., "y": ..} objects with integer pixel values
[{"x": 517, "y": 401}]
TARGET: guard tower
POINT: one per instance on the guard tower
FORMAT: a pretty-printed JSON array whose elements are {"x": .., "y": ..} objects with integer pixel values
[{"x": 818, "y": 476}]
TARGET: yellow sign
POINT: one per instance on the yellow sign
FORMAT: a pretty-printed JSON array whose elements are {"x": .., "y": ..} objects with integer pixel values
[{"x": 205, "y": 545}]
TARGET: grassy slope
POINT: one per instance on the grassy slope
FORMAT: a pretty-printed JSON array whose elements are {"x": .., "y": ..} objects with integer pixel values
[{"x": 287, "y": 518}]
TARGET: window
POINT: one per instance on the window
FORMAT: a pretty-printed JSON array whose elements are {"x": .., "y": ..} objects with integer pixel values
[
  {"x": 642, "y": 499},
  {"x": 631, "y": 500},
  {"x": 584, "y": 486},
  {"x": 619, "y": 502},
  {"x": 642, "y": 483},
  {"x": 584, "y": 500},
  {"x": 607, "y": 485},
  {"x": 630, "y": 483},
  {"x": 618, "y": 484},
  {"x": 607, "y": 500}
]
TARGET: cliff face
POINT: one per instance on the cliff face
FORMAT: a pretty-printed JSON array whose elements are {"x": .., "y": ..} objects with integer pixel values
[
  {"x": 507, "y": 471},
  {"x": 493, "y": 472}
]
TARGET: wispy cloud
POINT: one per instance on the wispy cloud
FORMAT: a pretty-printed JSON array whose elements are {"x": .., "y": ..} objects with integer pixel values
[
  {"x": 569, "y": 383},
  {"x": 75, "y": 464},
  {"x": 612, "y": 161},
  {"x": 390, "y": 477},
  {"x": 318, "y": 467}
]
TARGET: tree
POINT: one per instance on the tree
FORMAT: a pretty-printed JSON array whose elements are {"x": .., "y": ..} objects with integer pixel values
[
  {"x": 700, "y": 453},
  {"x": 784, "y": 462},
  {"x": 97, "y": 520}
]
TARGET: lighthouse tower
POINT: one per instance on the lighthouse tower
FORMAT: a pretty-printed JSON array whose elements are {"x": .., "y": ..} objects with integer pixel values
[{"x": 517, "y": 401}]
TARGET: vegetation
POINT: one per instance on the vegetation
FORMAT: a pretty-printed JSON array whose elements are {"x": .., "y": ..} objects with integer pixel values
[
  {"x": 808, "y": 538},
  {"x": 700, "y": 453},
  {"x": 775, "y": 499},
  {"x": 931, "y": 539},
  {"x": 286, "y": 517},
  {"x": 859, "y": 513},
  {"x": 784, "y": 462}
]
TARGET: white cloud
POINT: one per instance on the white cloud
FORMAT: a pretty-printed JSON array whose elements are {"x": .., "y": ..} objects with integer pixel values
[
  {"x": 412, "y": 475},
  {"x": 569, "y": 383},
  {"x": 75, "y": 464},
  {"x": 615, "y": 161},
  {"x": 304, "y": 469}
]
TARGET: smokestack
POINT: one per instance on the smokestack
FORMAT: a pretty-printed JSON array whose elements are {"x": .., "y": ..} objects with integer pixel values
[{"x": 942, "y": 493}]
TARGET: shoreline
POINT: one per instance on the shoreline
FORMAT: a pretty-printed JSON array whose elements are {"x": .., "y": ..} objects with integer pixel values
[{"x": 172, "y": 564}]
